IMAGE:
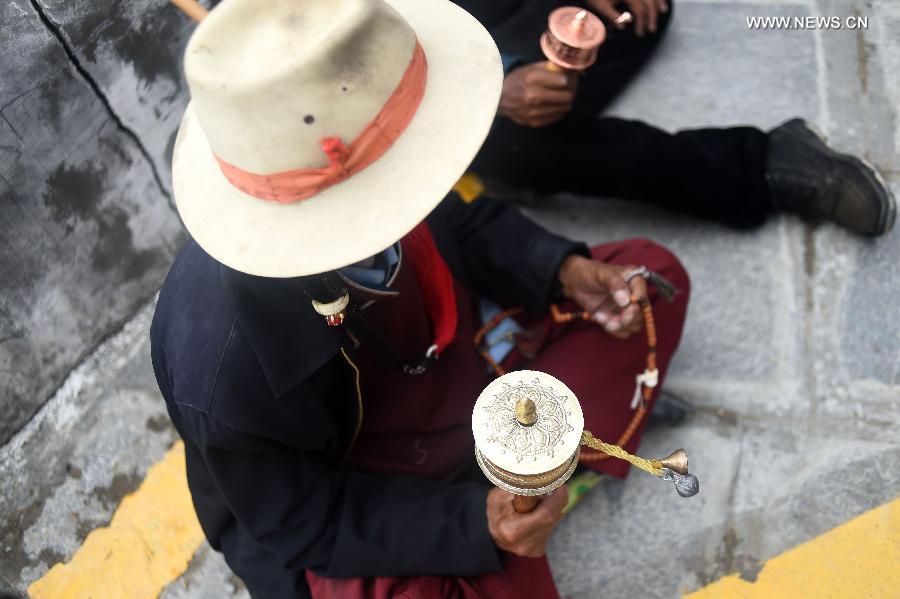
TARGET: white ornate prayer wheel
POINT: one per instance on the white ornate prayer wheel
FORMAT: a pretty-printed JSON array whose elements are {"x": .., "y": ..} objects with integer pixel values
[{"x": 528, "y": 429}]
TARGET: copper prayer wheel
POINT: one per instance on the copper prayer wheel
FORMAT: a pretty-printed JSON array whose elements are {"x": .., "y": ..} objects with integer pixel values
[{"x": 572, "y": 38}]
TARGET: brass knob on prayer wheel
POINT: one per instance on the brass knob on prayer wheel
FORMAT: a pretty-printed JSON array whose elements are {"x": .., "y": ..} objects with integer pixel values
[{"x": 526, "y": 412}]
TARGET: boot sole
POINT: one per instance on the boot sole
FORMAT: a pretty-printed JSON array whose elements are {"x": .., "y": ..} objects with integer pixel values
[{"x": 889, "y": 216}]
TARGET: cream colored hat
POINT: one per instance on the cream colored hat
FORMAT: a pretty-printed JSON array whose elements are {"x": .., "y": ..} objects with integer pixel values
[{"x": 274, "y": 82}]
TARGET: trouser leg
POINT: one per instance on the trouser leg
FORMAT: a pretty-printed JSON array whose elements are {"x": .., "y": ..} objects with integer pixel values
[{"x": 716, "y": 174}]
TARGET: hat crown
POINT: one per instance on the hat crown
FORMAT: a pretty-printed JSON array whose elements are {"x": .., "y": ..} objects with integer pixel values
[{"x": 270, "y": 79}]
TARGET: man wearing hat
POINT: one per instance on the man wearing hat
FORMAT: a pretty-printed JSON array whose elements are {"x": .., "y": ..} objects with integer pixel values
[
  {"x": 549, "y": 135},
  {"x": 314, "y": 341}
]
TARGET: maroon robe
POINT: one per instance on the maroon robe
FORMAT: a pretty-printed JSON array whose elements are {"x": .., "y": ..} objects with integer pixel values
[{"x": 421, "y": 424}]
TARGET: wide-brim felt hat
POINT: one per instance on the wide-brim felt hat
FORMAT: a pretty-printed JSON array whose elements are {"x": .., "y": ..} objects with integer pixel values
[{"x": 272, "y": 80}]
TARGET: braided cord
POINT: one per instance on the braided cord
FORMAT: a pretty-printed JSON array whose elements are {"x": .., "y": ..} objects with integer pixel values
[{"x": 653, "y": 467}]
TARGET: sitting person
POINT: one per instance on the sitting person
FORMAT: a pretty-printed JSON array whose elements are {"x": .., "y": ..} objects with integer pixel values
[
  {"x": 549, "y": 135},
  {"x": 315, "y": 340}
]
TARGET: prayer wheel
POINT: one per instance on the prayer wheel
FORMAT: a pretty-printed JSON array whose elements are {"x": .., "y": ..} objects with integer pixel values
[
  {"x": 572, "y": 38},
  {"x": 529, "y": 428}
]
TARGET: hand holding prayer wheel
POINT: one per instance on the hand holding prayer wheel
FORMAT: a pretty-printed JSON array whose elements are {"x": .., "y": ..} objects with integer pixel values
[
  {"x": 524, "y": 533},
  {"x": 528, "y": 429},
  {"x": 542, "y": 93}
]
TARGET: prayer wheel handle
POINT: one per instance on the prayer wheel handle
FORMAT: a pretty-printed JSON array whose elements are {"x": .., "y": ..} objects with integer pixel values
[{"x": 523, "y": 504}]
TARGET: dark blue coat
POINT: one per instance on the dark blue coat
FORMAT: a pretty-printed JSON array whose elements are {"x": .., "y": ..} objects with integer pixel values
[{"x": 257, "y": 387}]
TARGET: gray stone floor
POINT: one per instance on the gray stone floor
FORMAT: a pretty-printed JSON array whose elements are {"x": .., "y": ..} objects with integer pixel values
[
  {"x": 792, "y": 347},
  {"x": 791, "y": 353}
]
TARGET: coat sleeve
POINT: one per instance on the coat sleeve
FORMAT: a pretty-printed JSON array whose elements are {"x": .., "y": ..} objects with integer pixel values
[
  {"x": 507, "y": 257},
  {"x": 340, "y": 522}
]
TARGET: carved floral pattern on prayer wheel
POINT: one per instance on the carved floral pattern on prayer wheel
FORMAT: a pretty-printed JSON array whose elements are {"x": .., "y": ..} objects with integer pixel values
[{"x": 544, "y": 437}]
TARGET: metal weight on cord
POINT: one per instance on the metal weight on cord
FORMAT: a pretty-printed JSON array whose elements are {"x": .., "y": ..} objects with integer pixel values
[{"x": 529, "y": 428}]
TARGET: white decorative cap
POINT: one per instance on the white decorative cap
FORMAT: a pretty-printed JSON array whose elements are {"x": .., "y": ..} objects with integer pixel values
[{"x": 532, "y": 449}]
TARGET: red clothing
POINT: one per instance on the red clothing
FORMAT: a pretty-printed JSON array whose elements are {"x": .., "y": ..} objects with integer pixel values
[
  {"x": 422, "y": 424},
  {"x": 522, "y": 577},
  {"x": 417, "y": 424},
  {"x": 601, "y": 369}
]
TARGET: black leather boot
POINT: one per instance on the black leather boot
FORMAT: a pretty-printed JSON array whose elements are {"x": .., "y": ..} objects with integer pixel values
[
  {"x": 808, "y": 178},
  {"x": 669, "y": 410}
]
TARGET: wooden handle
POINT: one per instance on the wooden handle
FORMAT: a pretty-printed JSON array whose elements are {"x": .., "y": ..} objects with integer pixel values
[
  {"x": 524, "y": 503},
  {"x": 191, "y": 8}
]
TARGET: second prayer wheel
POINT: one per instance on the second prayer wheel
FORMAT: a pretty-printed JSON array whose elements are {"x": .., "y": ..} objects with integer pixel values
[
  {"x": 527, "y": 427},
  {"x": 572, "y": 38}
]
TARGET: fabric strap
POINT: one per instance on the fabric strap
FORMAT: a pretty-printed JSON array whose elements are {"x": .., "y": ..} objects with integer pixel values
[
  {"x": 435, "y": 283},
  {"x": 294, "y": 185}
]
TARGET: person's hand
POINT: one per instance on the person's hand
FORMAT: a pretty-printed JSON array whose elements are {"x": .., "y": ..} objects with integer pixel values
[
  {"x": 600, "y": 289},
  {"x": 536, "y": 97},
  {"x": 524, "y": 534},
  {"x": 645, "y": 13}
]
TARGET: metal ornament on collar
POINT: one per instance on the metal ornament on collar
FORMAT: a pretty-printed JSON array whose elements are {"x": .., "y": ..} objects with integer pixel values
[{"x": 334, "y": 312}]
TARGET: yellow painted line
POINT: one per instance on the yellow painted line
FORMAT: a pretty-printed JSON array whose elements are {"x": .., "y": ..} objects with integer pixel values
[
  {"x": 469, "y": 187},
  {"x": 860, "y": 558},
  {"x": 151, "y": 538}
]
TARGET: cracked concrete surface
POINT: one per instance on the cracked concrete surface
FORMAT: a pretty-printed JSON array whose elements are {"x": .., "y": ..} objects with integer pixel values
[
  {"x": 76, "y": 63},
  {"x": 791, "y": 352},
  {"x": 84, "y": 450},
  {"x": 87, "y": 231}
]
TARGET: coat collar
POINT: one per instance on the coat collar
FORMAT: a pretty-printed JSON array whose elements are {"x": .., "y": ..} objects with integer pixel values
[{"x": 289, "y": 339}]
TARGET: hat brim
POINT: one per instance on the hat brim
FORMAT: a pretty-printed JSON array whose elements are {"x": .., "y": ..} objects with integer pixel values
[{"x": 375, "y": 207}]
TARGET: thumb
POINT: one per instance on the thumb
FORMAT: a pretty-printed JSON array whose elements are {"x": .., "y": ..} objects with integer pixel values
[{"x": 618, "y": 288}]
